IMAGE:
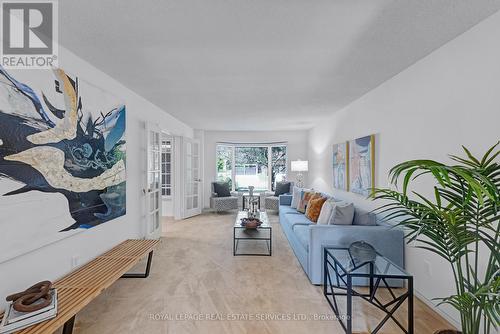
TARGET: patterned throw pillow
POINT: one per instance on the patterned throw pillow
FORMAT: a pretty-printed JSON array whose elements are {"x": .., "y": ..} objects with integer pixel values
[
  {"x": 304, "y": 199},
  {"x": 314, "y": 208},
  {"x": 296, "y": 196}
]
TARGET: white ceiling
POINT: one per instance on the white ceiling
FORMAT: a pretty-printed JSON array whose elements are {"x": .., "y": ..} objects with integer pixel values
[{"x": 259, "y": 64}]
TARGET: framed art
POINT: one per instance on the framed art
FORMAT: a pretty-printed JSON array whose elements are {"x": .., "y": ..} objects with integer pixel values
[{"x": 362, "y": 165}]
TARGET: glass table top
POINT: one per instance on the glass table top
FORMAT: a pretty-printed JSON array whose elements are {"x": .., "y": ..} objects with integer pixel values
[{"x": 350, "y": 265}]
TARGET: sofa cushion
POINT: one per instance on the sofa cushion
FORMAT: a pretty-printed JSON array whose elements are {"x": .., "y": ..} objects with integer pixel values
[
  {"x": 302, "y": 234},
  {"x": 326, "y": 212},
  {"x": 343, "y": 214},
  {"x": 292, "y": 220},
  {"x": 365, "y": 218},
  {"x": 222, "y": 189},
  {"x": 282, "y": 188},
  {"x": 288, "y": 210},
  {"x": 314, "y": 208}
]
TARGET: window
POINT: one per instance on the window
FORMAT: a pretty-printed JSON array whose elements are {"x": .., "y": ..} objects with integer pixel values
[
  {"x": 278, "y": 165},
  {"x": 251, "y": 168},
  {"x": 166, "y": 167},
  {"x": 224, "y": 157},
  {"x": 255, "y": 165}
]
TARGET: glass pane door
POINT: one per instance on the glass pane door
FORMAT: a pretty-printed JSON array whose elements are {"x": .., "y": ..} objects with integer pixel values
[
  {"x": 192, "y": 189},
  {"x": 153, "y": 187}
]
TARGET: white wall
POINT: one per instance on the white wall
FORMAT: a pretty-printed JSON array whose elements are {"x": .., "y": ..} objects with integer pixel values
[
  {"x": 449, "y": 98},
  {"x": 297, "y": 149},
  {"x": 54, "y": 260}
]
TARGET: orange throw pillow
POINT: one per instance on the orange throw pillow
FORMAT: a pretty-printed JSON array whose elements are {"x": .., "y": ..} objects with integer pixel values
[{"x": 314, "y": 208}]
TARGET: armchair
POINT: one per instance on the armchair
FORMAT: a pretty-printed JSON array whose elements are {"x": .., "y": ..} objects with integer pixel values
[
  {"x": 223, "y": 200},
  {"x": 271, "y": 201}
]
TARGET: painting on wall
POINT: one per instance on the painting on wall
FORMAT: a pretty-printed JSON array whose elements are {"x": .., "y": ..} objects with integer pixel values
[
  {"x": 340, "y": 163},
  {"x": 362, "y": 165},
  {"x": 62, "y": 158}
]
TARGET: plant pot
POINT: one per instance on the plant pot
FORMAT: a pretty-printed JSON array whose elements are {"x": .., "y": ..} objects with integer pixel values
[{"x": 447, "y": 331}]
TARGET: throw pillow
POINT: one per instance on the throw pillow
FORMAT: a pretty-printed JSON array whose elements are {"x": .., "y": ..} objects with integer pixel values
[
  {"x": 326, "y": 212},
  {"x": 282, "y": 188},
  {"x": 222, "y": 189},
  {"x": 314, "y": 208},
  {"x": 296, "y": 195},
  {"x": 304, "y": 199},
  {"x": 343, "y": 214},
  {"x": 365, "y": 218}
]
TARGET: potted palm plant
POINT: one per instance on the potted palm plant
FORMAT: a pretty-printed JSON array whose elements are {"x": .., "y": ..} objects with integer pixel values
[{"x": 459, "y": 222}]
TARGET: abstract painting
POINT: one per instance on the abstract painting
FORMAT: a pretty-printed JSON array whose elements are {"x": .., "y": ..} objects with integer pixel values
[
  {"x": 340, "y": 162},
  {"x": 62, "y": 158},
  {"x": 362, "y": 165}
]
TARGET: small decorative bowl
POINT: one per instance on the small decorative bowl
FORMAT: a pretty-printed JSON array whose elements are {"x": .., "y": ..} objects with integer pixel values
[{"x": 250, "y": 222}]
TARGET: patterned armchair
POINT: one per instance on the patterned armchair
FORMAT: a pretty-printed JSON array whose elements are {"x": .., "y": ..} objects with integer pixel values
[
  {"x": 225, "y": 203},
  {"x": 271, "y": 202}
]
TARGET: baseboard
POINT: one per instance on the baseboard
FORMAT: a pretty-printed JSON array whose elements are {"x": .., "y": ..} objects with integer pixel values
[{"x": 436, "y": 309}]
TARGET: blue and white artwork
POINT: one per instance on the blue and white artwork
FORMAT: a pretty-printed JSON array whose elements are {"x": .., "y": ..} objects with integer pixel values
[
  {"x": 340, "y": 161},
  {"x": 62, "y": 158},
  {"x": 362, "y": 165}
]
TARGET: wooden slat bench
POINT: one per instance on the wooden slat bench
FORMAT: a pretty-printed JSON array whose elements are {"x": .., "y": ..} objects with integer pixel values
[{"x": 77, "y": 289}]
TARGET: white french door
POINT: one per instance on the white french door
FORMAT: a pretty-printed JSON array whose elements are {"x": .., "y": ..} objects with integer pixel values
[
  {"x": 153, "y": 182},
  {"x": 192, "y": 178}
]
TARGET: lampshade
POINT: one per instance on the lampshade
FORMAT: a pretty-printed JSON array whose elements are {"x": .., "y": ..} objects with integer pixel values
[{"x": 300, "y": 166}]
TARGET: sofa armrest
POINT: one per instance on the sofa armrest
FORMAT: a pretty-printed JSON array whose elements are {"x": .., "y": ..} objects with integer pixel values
[
  {"x": 386, "y": 240},
  {"x": 285, "y": 200}
]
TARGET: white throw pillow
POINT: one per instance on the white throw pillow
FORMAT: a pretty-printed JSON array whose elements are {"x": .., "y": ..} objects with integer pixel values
[
  {"x": 342, "y": 214},
  {"x": 296, "y": 193},
  {"x": 326, "y": 212}
]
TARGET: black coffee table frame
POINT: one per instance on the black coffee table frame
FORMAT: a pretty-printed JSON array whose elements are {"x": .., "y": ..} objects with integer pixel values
[
  {"x": 267, "y": 232},
  {"x": 376, "y": 280}
]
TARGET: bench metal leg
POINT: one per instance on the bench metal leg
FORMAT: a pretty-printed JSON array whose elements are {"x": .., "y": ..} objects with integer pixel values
[
  {"x": 141, "y": 275},
  {"x": 68, "y": 325}
]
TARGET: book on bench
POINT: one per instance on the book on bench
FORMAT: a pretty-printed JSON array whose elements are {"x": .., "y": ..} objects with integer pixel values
[{"x": 14, "y": 320}]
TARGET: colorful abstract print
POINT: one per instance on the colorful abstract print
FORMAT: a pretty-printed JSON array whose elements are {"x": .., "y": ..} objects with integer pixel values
[{"x": 51, "y": 142}]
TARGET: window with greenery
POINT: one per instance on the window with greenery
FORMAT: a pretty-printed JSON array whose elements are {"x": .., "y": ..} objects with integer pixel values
[
  {"x": 255, "y": 165},
  {"x": 224, "y": 157},
  {"x": 278, "y": 164}
]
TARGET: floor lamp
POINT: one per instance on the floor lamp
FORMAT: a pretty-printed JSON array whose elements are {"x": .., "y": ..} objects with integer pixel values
[{"x": 300, "y": 166}]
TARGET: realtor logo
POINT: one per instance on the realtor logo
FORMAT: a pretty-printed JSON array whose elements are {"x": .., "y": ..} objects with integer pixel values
[{"x": 29, "y": 34}]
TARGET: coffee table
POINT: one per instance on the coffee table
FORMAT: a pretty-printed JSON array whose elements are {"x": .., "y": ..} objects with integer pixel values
[{"x": 262, "y": 233}]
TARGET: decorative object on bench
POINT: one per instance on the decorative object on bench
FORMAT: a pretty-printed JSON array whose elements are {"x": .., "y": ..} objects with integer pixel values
[
  {"x": 362, "y": 252},
  {"x": 300, "y": 166},
  {"x": 362, "y": 165},
  {"x": 78, "y": 288},
  {"x": 68, "y": 139},
  {"x": 459, "y": 223},
  {"x": 222, "y": 199},
  {"x": 341, "y": 166},
  {"x": 32, "y": 299},
  {"x": 32, "y": 306}
]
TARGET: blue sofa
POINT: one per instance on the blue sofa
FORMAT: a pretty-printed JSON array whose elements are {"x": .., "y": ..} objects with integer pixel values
[{"x": 308, "y": 240}]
